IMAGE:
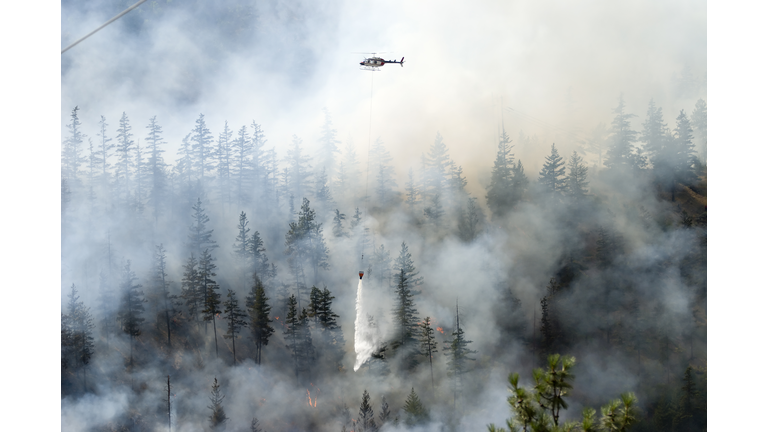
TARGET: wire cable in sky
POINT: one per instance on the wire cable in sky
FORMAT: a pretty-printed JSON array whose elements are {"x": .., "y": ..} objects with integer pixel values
[{"x": 105, "y": 24}]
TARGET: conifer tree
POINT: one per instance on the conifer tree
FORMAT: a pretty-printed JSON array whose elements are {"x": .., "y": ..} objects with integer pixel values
[
  {"x": 292, "y": 334},
  {"x": 259, "y": 263},
  {"x": 156, "y": 167},
  {"x": 499, "y": 190},
  {"x": 699, "y": 123},
  {"x": 184, "y": 165},
  {"x": 328, "y": 146},
  {"x": 70, "y": 154},
  {"x": 104, "y": 150},
  {"x": 190, "y": 289},
  {"x": 320, "y": 309},
  {"x": 437, "y": 167},
  {"x": 242, "y": 241},
  {"x": 255, "y": 427},
  {"x": 202, "y": 149},
  {"x": 338, "y": 230},
  {"x": 621, "y": 153},
  {"x": 411, "y": 193},
  {"x": 654, "y": 135},
  {"x": 683, "y": 151},
  {"x": 258, "y": 310},
  {"x": 235, "y": 322},
  {"x": 298, "y": 171},
  {"x": 428, "y": 344},
  {"x": 323, "y": 192},
  {"x": 552, "y": 175},
  {"x": 263, "y": 163},
  {"x": 385, "y": 413},
  {"x": 405, "y": 262},
  {"x": 366, "y": 420},
  {"x": 576, "y": 182},
  {"x": 161, "y": 285},
  {"x": 519, "y": 183},
  {"x": 78, "y": 327},
  {"x": 406, "y": 322},
  {"x": 356, "y": 219},
  {"x": 381, "y": 167},
  {"x": 224, "y": 159},
  {"x": 381, "y": 263},
  {"x": 211, "y": 296},
  {"x": 596, "y": 142},
  {"x": 415, "y": 412},
  {"x": 125, "y": 162},
  {"x": 218, "y": 419},
  {"x": 242, "y": 149},
  {"x": 471, "y": 220},
  {"x": 457, "y": 355},
  {"x": 131, "y": 305},
  {"x": 199, "y": 236}
]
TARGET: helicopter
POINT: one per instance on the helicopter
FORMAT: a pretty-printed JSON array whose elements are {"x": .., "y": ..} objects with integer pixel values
[{"x": 375, "y": 62}]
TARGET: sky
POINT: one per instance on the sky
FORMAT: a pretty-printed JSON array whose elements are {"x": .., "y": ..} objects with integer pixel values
[
  {"x": 557, "y": 64},
  {"x": 448, "y": 51}
]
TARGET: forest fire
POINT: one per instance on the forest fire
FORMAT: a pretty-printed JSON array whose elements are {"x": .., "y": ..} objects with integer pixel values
[
  {"x": 310, "y": 402},
  {"x": 440, "y": 329}
]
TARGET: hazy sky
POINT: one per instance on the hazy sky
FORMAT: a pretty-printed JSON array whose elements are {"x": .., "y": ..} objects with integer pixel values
[{"x": 562, "y": 63}]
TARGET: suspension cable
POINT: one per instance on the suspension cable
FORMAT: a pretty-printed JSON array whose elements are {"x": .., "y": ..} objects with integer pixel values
[{"x": 105, "y": 24}]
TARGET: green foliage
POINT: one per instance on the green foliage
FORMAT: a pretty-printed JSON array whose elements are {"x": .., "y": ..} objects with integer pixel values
[
  {"x": 258, "y": 310},
  {"x": 218, "y": 419},
  {"x": 235, "y": 322},
  {"x": 499, "y": 193},
  {"x": 538, "y": 409},
  {"x": 415, "y": 412},
  {"x": 621, "y": 151},
  {"x": 552, "y": 174},
  {"x": 199, "y": 236},
  {"x": 366, "y": 420},
  {"x": 576, "y": 182}
]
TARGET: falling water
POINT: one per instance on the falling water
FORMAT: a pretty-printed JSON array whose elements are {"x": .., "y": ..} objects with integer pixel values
[{"x": 365, "y": 337}]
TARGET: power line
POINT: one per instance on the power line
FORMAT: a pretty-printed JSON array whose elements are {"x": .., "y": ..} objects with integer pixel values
[{"x": 105, "y": 24}]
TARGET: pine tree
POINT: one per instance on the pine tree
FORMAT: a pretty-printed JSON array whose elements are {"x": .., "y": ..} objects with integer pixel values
[
  {"x": 70, "y": 154},
  {"x": 576, "y": 182},
  {"x": 242, "y": 148},
  {"x": 211, "y": 296},
  {"x": 224, "y": 156},
  {"x": 298, "y": 171},
  {"x": 259, "y": 263},
  {"x": 323, "y": 192},
  {"x": 338, "y": 230},
  {"x": 255, "y": 427},
  {"x": 596, "y": 143},
  {"x": 104, "y": 150},
  {"x": 415, "y": 412},
  {"x": 202, "y": 149},
  {"x": 428, "y": 344},
  {"x": 366, "y": 420},
  {"x": 235, "y": 322},
  {"x": 552, "y": 175},
  {"x": 411, "y": 193},
  {"x": 654, "y": 135},
  {"x": 405, "y": 263},
  {"x": 437, "y": 165},
  {"x": 328, "y": 145},
  {"x": 292, "y": 334},
  {"x": 519, "y": 183},
  {"x": 125, "y": 162},
  {"x": 258, "y": 310},
  {"x": 385, "y": 413},
  {"x": 356, "y": 219},
  {"x": 190, "y": 289},
  {"x": 380, "y": 266},
  {"x": 406, "y": 322},
  {"x": 457, "y": 355},
  {"x": 263, "y": 163},
  {"x": 161, "y": 285},
  {"x": 499, "y": 190},
  {"x": 242, "y": 241},
  {"x": 699, "y": 123},
  {"x": 471, "y": 220},
  {"x": 156, "y": 167},
  {"x": 332, "y": 337},
  {"x": 621, "y": 152},
  {"x": 78, "y": 327},
  {"x": 381, "y": 166},
  {"x": 185, "y": 164},
  {"x": 199, "y": 237},
  {"x": 218, "y": 418},
  {"x": 683, "y": 154},
  {"x": 131, "y": 305}
]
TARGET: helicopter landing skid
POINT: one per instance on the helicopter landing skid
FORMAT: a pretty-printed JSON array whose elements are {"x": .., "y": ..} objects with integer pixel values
[{"x": 370, "y": 68}]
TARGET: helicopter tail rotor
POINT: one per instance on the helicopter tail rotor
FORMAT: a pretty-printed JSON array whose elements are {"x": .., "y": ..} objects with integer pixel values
[{"x": 402, "y": 60}]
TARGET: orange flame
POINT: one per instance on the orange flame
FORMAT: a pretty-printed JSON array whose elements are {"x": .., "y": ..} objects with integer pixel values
[
  {"x": 440, "y": 329},
  {"x": 311, "y": 404}
]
